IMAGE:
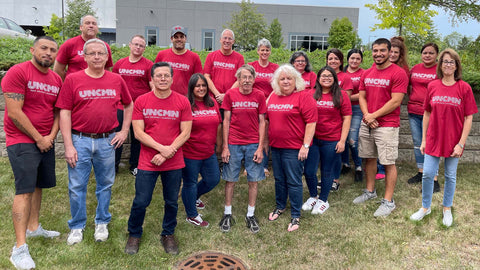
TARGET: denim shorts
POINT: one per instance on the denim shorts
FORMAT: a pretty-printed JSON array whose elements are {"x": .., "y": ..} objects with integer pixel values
[
  {"x": 31, "y": 167},
  {"x": 231, "y": 170}
]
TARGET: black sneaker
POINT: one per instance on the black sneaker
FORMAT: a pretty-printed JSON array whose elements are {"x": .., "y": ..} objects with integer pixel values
[
  {"x": 436, "y": 186},
  {"x": 358, "y": 176},
  {"x": 252, "y": 224},
  {"x": 134, "y": 171},
  {"x": 345, "y": 169},
  {"x": 226, "y": 223},
  {"x": 335, "y": 186},
  {"x": 417, "y": 178}
]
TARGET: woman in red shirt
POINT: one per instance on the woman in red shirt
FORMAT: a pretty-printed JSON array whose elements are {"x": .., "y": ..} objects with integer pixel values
[{"x": 299, "y": 60}]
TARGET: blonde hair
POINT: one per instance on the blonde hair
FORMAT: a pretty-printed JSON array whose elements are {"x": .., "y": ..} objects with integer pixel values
[{"x": 289, "y": 70}]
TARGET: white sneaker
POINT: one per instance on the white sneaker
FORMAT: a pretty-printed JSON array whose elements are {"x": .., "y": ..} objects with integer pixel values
[
  {"x": 420, "y": 214},
  {"x": 40, "y": 231},
  {"x": 21, "y": 258},
  {"x": 320, "y": 207},
  {"x": 75, "y": 236},
  {"x": 308, "y": 205},
  {"x": 385, "y": 208},
  {"x": 447, "y": 218},
  {"x": 101, "y": 232}
]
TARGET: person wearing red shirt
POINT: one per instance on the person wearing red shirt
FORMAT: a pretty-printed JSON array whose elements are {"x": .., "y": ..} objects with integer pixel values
[
  {"x": 220, "y": 66},
  {"x": 162, "y": 121},
  {"x": 292, "y": 117},
  {"x": 420, "y": 76},
  {"x": 30, "y": 90},
  {"x": 382, "y": 88},
  {"x": 135, "y": 71},
  {"x": 334, "y": 116},
  {"x": 449, "y": 101},
  {"x": 88, "y": 117},
  {"x": 353, "y": 70},
  {"x": 71, "y": 52},
  {"x": 299, "y": 60},
  {"x": 199, "y": 150},
  {"x": 334, "y": 58},
  {"x": 183, "y": 61},
  {"x": 243, "y": 138}
]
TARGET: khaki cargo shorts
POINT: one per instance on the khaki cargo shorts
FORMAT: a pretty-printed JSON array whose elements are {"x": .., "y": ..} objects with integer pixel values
[{"x": 381, "y": 143}]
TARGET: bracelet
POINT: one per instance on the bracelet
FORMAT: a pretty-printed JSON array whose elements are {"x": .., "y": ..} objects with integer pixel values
[{"x": 461, "y": 145}]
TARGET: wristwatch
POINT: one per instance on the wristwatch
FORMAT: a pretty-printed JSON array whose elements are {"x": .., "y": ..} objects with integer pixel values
[{"x": 306, "y": 145}]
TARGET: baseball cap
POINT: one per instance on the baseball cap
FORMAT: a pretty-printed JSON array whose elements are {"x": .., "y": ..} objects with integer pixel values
[{"x": 178, "y": 29}]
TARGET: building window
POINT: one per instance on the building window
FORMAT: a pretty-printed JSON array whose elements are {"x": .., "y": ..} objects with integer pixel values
[
  {"x": 208, "y": 39},
  {"x": 308, "y": 42},
  {"x": 151, "y": 33}
]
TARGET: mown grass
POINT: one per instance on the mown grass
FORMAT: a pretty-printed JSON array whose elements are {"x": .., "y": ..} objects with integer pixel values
[{"x": 347, "y": 236}]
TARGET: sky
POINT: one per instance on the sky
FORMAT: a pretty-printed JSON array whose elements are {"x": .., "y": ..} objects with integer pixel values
[{"x": 367, "y": 18}]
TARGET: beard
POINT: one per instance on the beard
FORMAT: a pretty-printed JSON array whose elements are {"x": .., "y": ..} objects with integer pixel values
[{"x": 45, "y": 63}]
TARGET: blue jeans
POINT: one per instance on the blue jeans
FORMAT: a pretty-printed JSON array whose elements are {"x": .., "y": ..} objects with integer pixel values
[
  {"x": 380, "y": 168},
  {"x": 287, "y": 170},
  {"x": 323, "y": 152},
  {"x": 352, "y": 140},
  {"x": 231, "y": 170},
  {"x": 416, "y": 126},
  {"x": 100, "y": 154},
  {"x": 144, "y": 186},
  {"x": 192, "y": 189},
  {"x": 430, "y": 169}
]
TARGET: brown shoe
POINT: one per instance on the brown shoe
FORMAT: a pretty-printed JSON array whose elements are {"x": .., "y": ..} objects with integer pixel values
[
  {"x": 169, "y": 244},
  {"x": 132, "y": 245}
]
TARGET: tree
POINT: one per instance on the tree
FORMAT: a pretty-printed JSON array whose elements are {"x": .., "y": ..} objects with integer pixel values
[
  {"x": 275, "y": 34},
  {"x": 452, "y": 40},
  {"x": 248, "y": 25},
  {"x": 55, "y": 28},
  {"x": 465, "y": 43},
  {"x": 415, "y": 41},
  {"x": 341, "y": 34},
  {"x": 411, "y": 15},
  {"x": 459, "y": 10}
]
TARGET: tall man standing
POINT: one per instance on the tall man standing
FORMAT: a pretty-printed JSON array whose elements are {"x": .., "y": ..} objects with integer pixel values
[
  {"x": 183, "y": 62},
  {"x": 162, "y": 122},
  {"x": 71, "y": 52},
  {"x": 221, "y": 66},
  {"x": 30, "y": 90},
  {"x": 88, "y": 117},
  {"x": 382, "y": 88},
  {"x": 135, "y": 70}
]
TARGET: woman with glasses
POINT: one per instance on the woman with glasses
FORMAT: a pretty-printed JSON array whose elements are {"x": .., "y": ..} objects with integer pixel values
[
  {"x": 449, "y": 101},
  {"x": 299, "y": 60}
]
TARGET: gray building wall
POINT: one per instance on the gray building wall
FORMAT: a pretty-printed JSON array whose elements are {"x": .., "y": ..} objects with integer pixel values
[{"x": 133, "y": 17}]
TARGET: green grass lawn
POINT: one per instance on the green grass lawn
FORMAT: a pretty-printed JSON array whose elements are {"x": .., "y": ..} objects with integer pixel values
[{"x": 346, "y": 236}]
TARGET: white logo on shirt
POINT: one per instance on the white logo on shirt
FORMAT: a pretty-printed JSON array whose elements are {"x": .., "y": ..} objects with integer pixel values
[
  {"x": 125, "y": 71},
  {"x": 43, "y": 87},
  {"x": 97, "y": 93},
  {"x": 223, "y": 65}
]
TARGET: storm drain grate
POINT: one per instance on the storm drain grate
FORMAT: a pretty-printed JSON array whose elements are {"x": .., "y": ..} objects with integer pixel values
[{"x": 212, "y": 261}]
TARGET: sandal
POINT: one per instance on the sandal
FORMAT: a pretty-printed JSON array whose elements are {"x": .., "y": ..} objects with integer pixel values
[
  {"x": 294, "y": 224},
  {"x": 276, "y": 212}
]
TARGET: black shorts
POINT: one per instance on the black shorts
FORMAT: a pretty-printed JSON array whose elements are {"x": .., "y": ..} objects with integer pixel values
[{"x": 31, "y": 168}]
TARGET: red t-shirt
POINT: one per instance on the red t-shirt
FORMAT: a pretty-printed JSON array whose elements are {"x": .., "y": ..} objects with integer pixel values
[
  {"x": 330, "y": 119},
  {"x": 201, "y": 144},
  {"x": 355, "y": 78},
  {"x": 244, "y": 115},
  {"x": 344, "y": 81},
  {"x": 136, "y": 75},
  {"x": 71, "y": 54},
  {"x": 264, "y": 77},
  {"x": 40, "y": 92},
  {"x": 162, "y": 119},
  {"x": 310, "y": 79},
  {"x": 288, "y": 116},
  {"x": 420, "y": 77},
  {"x": 379, "y": 86},
  {"x": 93, "y": 101},
  {"x": 222, "y": 69},
  {"x": 448, "y": 106},
  {"x": 184, "y": 66}
]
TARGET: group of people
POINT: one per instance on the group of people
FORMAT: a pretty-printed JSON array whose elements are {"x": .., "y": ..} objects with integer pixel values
[{"x": 180, "y": 116}]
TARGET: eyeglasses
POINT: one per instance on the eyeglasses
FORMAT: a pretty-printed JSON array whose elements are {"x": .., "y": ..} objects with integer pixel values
[
  {"x": 138, "y": 45},
  {"x": 300, "y": 61},
  {"x": 162, "y": 76},
  {"x": 448, "y": 63},
  {"x": 96, "y": 54},
  {"x": 329, "y": 76}
]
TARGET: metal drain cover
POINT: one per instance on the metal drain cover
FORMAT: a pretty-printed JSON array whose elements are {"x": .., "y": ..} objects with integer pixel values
[{"x": 212, "y": 261}]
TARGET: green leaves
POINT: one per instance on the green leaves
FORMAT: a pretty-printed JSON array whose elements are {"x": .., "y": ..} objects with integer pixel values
[{"x": 341, "y": 34}]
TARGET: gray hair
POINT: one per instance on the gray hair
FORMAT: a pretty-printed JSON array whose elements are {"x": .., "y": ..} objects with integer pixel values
[
  {"x": 289, "y": 70},
  {"x": 225, "y": 30},
  {"x": 88, "y": 15},
  {"x": 94, "y": 40},
  {"x": 264, "y": 42},
  {"x": 245, "y": 67}
]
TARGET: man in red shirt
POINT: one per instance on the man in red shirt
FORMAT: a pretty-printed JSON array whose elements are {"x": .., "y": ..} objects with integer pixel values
[
  {"x": 88, "y": 117},
  {"x": 71, "y": 52},
  {"x": 183, "y": 62},
  {"x": 162, "y": 121},
  {"x": 135, "y": 70},
  {"x": 30, "y": 90},
  {"x": 381, "y": 90},
  {"x": 220, "y": 66}
]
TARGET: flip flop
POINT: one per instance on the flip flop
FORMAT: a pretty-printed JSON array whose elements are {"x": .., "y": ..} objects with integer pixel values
[
  {"x": 294, "y": 225},
  {"x": 275, "y": 214}
]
